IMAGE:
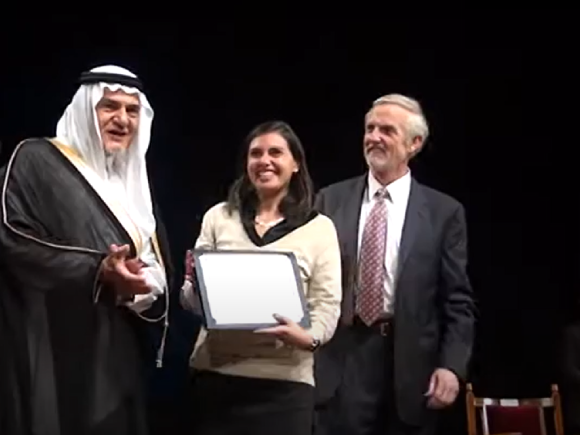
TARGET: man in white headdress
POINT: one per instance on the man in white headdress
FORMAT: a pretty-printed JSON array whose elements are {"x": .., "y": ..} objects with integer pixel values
[{"x": 84, "y": 263}]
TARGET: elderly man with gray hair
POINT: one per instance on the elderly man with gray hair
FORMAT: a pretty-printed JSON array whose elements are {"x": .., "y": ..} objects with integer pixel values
[
  {"x": 406, "y": 331},
  {"x": 85, "y": 266}
]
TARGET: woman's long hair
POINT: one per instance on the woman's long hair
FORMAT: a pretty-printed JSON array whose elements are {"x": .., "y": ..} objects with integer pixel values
[{"x": 297, "y": 204}]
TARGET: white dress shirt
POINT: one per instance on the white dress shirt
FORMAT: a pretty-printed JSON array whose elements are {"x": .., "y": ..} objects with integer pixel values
[{"x": 397, "y": 200}]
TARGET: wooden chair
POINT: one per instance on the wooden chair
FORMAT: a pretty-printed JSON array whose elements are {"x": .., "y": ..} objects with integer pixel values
[{"x": 513, "y": 416}]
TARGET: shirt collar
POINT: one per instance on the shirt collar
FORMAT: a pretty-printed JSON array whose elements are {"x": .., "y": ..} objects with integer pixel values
[{"x": 398, "y": 190}]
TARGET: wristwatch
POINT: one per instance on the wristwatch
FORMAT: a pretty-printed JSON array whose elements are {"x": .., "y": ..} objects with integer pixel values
[{"x": 315, "y": 344}]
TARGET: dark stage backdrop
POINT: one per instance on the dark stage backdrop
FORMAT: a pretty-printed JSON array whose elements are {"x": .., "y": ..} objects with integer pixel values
[{"x": 210, "y": 83}]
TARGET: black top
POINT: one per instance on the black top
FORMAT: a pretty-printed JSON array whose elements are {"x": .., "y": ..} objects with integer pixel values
[{"x": 278, "y": 231}]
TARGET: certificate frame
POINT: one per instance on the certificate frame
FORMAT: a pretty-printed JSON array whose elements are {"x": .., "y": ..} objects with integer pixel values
[{"x": 203, "y": 291}]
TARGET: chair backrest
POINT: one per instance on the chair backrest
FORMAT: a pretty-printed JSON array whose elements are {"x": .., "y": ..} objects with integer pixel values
[{"x": 521, "y": 416}]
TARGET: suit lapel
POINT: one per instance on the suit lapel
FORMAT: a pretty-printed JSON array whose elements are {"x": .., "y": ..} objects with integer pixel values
[
  {"x": 350, "y": 216},
  {"x": 414, "y": 221},
  {"x": 347, "y": 223}
]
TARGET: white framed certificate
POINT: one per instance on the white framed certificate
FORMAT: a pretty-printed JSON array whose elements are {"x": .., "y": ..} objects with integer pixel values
[{"x": 243, "y": 289}]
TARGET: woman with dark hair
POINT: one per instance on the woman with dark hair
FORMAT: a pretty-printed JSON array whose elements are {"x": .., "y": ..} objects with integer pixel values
[{"x": 262, "y": 382}]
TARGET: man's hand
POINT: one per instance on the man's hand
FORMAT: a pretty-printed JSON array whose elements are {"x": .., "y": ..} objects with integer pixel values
[
  {"x": 443, "y": 389},
  {"x": 124, "y": 274},
  {"x": 289, "y": 332}
]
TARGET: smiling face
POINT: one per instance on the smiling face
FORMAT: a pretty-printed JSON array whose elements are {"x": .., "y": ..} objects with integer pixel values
[
  {"x": 387, "y": 144},
  {"x": 118, "y": 118},
  {"x": 270, "y": 164}
]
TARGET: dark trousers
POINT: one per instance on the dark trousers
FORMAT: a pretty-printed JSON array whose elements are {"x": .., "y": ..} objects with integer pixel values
[
  {"x": 364, "y": 403},
  {"x": 233, "y": 405}
]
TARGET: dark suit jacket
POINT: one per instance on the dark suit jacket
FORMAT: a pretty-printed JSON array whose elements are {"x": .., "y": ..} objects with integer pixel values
[{"x": 434, "y": 308}]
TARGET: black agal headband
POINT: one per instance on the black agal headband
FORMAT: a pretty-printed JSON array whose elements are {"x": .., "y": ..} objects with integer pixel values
[{"x": 91, "y": 77}]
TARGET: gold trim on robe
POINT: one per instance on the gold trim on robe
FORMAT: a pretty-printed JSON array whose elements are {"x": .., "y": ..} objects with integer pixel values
[
  {"x": 157, "y": 250},
  {"x": 106, "y": 195},
  {"x": 119, "y": 211}
]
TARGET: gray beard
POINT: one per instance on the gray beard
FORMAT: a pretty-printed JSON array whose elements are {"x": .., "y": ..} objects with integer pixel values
[
  {"x": 115, "y": 161},
  {"x": 117, "y": 152}
]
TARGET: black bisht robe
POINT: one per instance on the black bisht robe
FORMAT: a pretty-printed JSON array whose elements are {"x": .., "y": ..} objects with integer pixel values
[{"x": 71, "y": 362}]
